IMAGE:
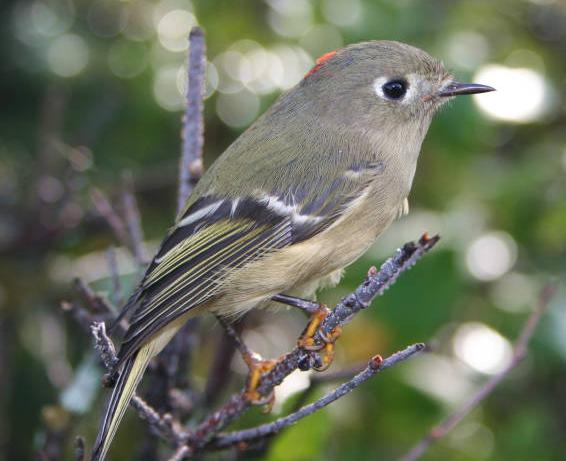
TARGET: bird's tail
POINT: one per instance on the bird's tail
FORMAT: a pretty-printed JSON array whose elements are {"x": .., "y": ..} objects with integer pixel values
[{"x": 124, "y": 388}]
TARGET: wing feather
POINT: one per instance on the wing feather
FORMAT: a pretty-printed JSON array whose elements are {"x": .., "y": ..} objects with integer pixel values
[{"x": 217, "y": 234}]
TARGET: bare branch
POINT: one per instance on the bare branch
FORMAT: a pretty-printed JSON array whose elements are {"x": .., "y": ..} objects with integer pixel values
[
  {"x": 116, "y": 291},
  {"x": 116, "y": 223},
  {"x": 235, "y": 337},
  {"x": 133, "y": 220},
  {"x": 374, "y": 285},
  {"x": 104, "y": 345},
  {"x": 181, "y": 453},
  {"x": 163, "y": 425},
  {"x": 191, "y": 167},
  {"x": 519, "y": 352},
  {"x": 79, "y": 449},
  {"x": 375, "y": 365},
  {"x": 218, "y": 377}
]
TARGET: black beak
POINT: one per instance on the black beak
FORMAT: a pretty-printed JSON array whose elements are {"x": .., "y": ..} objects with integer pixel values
[{"x": 458, "y": 89}]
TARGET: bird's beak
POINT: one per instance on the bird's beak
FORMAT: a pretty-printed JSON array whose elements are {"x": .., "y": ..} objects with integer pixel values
[{"x": 458, "y": 89}]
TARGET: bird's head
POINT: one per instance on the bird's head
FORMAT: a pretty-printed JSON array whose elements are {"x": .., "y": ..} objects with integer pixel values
[{"x": 380, "y": 83}]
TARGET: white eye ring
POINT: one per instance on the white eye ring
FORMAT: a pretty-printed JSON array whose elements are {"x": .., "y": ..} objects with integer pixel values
[{"x": 379, "y": 83}]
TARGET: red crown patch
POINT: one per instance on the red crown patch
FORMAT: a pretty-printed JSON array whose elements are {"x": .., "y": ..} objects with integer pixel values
[{"x": 320, "y": 62}]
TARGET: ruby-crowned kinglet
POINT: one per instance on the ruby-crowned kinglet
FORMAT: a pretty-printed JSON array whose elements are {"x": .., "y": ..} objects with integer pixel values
[{"x": 296, "y": 198}]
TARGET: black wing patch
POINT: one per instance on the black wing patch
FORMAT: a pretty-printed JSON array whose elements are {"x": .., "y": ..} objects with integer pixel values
[{"x": 193, "y": 259}]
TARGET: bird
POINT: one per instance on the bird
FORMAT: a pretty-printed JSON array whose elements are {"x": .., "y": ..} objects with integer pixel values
[{"x": 295, "y": 199}]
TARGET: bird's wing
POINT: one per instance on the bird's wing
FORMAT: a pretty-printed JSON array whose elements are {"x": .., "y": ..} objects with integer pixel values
[{"x": 218, "y": 233}]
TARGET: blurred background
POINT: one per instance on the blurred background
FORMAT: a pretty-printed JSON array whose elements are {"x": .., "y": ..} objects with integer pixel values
[{"x": 90, "y": 89}]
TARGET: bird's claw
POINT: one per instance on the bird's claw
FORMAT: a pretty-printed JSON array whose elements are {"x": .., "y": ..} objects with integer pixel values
[
  {"x": 258, "y": 367},
  {"x": 325, "y": 344}
]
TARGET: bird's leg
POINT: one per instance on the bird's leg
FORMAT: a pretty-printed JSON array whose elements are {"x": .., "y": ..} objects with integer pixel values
[
  {"x": 307, "y": 340},
  {"x": 257, "y": 368},
  {"x": 304, "y": 304}
]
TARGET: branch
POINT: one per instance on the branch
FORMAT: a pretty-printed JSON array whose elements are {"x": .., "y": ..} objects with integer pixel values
[
  {"x": 519, "y": 353},
  {"x": 163, "y": 425},
  {"x": 205, "y": 435},
  {"x": 374, "y": 285},
  {"x": 79, "y": 450},
  {"x": 116, "y": 290},
  {"x": 174, "y": 361},
  {"x": 375, "y": 365},
  {"x": 133, "y": 220},
  {"x": 191, "y": 167},
  {"x": 116, "y": 223},
  {"x": 218, "y": 376}
]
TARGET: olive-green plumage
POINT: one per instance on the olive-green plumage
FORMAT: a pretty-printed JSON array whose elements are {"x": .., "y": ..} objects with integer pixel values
[{"x": 296, "y": 198}]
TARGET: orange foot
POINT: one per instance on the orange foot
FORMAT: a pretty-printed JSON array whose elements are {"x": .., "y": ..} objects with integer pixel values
[
  {"x": 326, "y": 346},
  {"x": 258, "y": 367}
]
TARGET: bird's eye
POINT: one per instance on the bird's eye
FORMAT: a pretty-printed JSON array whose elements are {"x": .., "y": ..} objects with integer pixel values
[{"x": 395, "y": 89}]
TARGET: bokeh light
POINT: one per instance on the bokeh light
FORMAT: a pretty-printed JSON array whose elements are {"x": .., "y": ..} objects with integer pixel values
[
  {"x": 68, "y": 55},
  {"x": 166, "y": 88},
  {"x": 491, "y": 255},
  {"x": 342, "y": 13},
  {"x": 139, "y": 21},
  {"x": 295, "y": 382},
  {"x": 514, "y": 292},
  {"x": 239, "y": 109},
  {"x": 467, "y": 49},
  {"x": 106, "y": 18},
  {"x": 482, "y": 348},
  {"x": 211, "y": 80},
  {"x": 440, "y": 377},
  {"x": 173, "y": 29},
  {"x": 33, "y": 22},
  {"x": 127, "y": 59},
  {"x": 522, "y": 95},
  {"x": 289, "y": 18},
  {"x": 51, "y": 19},
  {"x": 320, "y": 39}
]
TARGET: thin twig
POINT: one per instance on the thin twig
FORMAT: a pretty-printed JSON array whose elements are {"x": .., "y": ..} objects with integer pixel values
[
  {"x": 376, "y": 284},
  {"x": 375, "y": 365},
  {"x": 116, "y": 223},
  {"x": 191, "y": 166},
  {"x": 180, "y": 454},
  {"x": 324, "y": 378},
  {"x": 80, "y": 315},
  {"x": 133, "y": 220},
  {"x": 235, "y": 337},
  {"x": 116, "y": 290},
  {"x": 104, "y": 345},
  {"x": 79, "y": 449},
  {"x": 174, "y": 361},
  {"x": 219, "y": 374},
  {"x": 519, "y": 353},
  {"x": 163, "y": 425},
  {"x": 95, "y": 301}
]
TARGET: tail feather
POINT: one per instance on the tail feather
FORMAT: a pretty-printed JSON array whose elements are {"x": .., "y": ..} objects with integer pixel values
[{"x": 126, "y": 384}]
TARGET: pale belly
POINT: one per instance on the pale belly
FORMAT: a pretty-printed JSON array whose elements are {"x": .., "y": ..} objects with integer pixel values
[{"x": 301, "y": 268}]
